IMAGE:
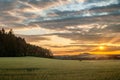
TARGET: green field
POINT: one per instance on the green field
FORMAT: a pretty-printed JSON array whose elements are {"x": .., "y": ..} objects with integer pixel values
[{"x": 32, "y": 68}]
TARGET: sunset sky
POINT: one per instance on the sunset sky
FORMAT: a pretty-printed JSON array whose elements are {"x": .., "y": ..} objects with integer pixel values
[{"x": 67, "y": 27}]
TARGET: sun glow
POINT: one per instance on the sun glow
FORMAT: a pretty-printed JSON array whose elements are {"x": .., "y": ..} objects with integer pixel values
[{"x": 101, "y": 47}]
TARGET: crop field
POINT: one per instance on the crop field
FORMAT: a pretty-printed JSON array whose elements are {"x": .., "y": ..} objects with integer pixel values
[{"x": 32, "y": 68}]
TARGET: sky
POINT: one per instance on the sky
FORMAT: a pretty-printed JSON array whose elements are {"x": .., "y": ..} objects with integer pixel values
[{"x": 67, "y": 27}]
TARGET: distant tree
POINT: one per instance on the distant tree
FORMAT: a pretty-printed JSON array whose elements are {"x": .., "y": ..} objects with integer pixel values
[{"x": 3, "y": 31}]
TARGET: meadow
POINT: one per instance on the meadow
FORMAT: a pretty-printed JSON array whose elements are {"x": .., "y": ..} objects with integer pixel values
[{"x": 34, "y": 68}]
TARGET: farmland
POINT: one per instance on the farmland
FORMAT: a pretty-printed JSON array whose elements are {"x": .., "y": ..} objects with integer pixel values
[{"x": 33, "y": 68}]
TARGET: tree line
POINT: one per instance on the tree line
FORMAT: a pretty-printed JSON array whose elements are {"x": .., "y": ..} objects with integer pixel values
[{"x": 13, "y": 46}]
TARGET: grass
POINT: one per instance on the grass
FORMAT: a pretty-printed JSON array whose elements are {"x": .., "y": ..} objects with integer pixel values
[{"x": 32, "y": 68}]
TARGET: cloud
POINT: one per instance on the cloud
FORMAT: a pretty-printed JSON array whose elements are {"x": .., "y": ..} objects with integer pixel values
[
  {"x": 34, "y": 38},
  {"x": 29, "y": 12},
  {"x": 93, "y": 33},
  {"x": 79, "y": 48},
  {"x": 108, "y": 49},
  {"x": 113, "y": 28},
  {"x": 63, "y": 24},
  {"x": 87, "y": 4},
  {"x": 6, "y": 5}
]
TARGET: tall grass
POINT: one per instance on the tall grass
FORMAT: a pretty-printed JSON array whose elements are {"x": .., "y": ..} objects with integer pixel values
[{"x": 31, "y": 68}]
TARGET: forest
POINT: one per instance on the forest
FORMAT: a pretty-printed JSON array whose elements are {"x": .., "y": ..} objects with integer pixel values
[{"x": 13, "y": 46}]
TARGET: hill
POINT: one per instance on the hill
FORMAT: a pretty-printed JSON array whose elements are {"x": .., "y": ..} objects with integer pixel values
[{"x": 88, "y": 56}]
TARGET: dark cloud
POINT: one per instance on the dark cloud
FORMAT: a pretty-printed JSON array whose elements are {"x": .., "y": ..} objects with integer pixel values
[
  {"x": 96, "y": 34},
  {"x": 6, "y": 18},
  {"x": 113, "y": 28},
  {"x": 33, "y": 38},
  {"x": 41, "y": 3},
  {"x": 75, "y": 45},
  {"x": 6, "y": 5},
  {"x": 62, "y": 24},
  {"x": 86, "y": 37},
  {"x": 76, "y": 50}
]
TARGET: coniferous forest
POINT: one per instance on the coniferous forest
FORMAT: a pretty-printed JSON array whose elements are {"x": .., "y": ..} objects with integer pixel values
[{"x": 13, "y": 46}]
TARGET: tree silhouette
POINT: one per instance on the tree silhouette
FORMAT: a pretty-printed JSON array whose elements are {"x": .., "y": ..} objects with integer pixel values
[{"x": 12, "y": 46}]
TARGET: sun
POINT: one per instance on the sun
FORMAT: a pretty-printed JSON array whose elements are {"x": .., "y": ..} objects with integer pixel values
[{"x": 101, "y": 47}]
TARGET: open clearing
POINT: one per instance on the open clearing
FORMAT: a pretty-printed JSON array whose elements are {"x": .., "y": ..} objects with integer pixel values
[{"x": 32, "y": 68}]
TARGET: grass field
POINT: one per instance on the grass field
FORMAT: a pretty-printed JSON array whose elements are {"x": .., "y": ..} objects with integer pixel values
[{"x": 32, "y": 68}]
